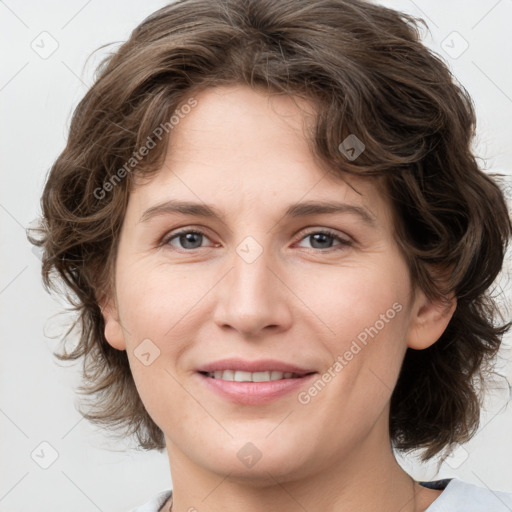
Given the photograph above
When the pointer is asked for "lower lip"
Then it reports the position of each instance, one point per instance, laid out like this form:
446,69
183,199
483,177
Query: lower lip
254,393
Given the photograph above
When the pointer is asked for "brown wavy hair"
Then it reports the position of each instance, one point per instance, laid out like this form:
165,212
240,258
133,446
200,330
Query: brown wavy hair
367,72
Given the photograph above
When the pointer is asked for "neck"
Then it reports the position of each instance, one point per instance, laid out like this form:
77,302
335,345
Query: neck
367,478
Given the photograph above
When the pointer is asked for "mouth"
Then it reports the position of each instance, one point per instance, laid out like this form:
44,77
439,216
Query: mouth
243,376
253,382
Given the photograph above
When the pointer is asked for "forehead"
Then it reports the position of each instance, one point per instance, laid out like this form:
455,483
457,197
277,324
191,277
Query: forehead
244,127
238,145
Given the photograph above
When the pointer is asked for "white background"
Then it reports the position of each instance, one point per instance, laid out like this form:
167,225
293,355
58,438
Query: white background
37,398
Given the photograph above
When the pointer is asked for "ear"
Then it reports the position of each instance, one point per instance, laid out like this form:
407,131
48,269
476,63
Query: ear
114,333
429,320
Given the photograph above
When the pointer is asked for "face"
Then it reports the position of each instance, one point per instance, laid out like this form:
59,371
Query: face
223,273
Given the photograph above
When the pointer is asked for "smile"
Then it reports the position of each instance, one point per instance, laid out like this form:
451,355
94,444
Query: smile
254,388
244,376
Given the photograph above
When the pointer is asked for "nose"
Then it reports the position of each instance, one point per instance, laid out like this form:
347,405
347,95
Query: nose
252,298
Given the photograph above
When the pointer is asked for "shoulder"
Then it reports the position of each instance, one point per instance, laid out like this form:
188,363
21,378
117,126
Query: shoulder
155,503
460,496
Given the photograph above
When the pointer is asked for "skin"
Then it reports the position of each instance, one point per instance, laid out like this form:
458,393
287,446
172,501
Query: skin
300,301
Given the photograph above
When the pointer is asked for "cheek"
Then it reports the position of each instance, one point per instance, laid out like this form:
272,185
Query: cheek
162,311
366,311
158,315
355,301
155,301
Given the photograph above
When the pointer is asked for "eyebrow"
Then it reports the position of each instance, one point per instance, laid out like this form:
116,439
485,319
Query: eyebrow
303,209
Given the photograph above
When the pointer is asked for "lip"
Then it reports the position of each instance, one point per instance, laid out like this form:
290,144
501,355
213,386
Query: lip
254,393
261,365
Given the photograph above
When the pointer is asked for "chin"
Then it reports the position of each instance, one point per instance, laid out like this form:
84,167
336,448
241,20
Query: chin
260,463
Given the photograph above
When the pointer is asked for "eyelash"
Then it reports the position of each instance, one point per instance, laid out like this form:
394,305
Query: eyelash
343,243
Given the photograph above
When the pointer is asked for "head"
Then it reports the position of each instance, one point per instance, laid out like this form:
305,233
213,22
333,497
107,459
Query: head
247,108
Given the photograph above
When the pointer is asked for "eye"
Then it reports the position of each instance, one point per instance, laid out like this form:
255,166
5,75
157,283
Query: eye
323,239
188,239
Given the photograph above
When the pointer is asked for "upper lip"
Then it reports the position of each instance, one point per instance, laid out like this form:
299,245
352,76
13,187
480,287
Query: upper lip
261,365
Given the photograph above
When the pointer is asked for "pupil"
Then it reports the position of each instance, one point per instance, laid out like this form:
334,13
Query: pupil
189,238
323,238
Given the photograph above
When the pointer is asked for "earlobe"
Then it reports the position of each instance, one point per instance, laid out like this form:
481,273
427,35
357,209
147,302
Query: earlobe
113,330
430,320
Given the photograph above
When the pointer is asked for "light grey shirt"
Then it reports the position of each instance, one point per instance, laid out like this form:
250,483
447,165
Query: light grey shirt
457,496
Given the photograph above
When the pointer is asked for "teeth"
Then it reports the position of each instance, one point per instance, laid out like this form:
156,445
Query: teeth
242,376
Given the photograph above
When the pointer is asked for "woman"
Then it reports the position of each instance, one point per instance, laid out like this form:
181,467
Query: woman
280,246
